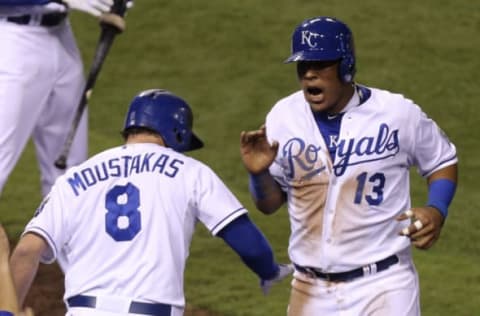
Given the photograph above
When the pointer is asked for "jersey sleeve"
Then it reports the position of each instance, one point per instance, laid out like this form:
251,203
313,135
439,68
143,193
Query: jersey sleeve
432,148
49,223
215,203
274,133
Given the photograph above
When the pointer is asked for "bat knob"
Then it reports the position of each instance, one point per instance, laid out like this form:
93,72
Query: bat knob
61,163
113,20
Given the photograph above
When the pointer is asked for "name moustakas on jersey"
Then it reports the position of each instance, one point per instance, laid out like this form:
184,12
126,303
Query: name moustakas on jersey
123,166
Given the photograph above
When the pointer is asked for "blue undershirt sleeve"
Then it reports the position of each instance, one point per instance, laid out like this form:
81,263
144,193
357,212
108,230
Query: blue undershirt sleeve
252,247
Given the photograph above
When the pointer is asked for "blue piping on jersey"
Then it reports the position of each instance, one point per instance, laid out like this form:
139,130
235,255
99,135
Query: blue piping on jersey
439,164
226,217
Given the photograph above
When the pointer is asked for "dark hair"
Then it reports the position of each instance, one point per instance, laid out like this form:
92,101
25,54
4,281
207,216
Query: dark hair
136,130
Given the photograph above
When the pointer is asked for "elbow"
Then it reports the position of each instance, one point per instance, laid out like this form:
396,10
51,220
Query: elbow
268,207
267,210
29,249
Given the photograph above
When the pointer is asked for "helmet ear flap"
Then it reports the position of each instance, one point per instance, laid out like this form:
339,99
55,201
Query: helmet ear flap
346,69
181,136
347,64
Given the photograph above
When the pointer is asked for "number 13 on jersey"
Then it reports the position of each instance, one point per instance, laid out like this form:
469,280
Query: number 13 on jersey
375,197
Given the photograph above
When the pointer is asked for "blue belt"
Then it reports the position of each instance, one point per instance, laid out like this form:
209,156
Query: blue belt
48,19
156,309
352,274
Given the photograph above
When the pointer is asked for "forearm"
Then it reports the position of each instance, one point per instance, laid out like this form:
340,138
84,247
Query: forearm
24,269
266,192
24,263
252,247
8,299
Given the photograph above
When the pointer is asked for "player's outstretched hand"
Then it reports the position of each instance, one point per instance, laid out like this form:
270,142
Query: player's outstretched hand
93,7
425,227
257,153
284,270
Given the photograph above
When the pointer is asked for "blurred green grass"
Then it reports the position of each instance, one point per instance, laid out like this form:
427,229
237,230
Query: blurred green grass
225,58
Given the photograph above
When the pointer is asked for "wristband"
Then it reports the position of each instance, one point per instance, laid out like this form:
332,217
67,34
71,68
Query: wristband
256,183
5,313
440,195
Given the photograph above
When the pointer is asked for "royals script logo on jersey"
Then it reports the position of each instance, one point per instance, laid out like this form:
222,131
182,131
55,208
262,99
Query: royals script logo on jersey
305,158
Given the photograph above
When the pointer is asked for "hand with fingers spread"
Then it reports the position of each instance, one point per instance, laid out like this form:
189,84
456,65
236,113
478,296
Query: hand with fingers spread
425,227
257,153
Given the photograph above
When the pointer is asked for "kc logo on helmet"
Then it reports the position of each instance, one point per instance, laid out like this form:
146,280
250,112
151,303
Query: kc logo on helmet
308,37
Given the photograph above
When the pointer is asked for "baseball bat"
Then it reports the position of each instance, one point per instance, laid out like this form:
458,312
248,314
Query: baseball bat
111,24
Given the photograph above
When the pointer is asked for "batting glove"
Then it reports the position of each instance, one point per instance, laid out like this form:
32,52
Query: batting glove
93,7
284,270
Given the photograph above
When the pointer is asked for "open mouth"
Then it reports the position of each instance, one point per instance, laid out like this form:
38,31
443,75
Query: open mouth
315,95
314,91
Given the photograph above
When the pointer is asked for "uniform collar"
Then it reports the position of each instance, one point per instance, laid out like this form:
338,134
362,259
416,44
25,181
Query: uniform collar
360,95
354,101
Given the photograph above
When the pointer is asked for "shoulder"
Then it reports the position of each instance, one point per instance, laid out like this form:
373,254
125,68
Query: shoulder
284,109
101,156
395,103
295,99
389,98
201,169
194,169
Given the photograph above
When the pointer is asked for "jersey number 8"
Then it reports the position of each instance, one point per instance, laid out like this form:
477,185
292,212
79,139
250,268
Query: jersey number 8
122,220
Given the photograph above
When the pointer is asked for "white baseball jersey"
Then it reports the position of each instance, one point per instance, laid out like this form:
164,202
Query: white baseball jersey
343,212
41,81
121,223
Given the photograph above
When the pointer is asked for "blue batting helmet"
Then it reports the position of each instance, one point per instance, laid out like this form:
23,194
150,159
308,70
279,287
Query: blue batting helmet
166,114
324,39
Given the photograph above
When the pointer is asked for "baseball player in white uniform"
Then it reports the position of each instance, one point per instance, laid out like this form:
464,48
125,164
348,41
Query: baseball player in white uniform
339,153
41,81
120,224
